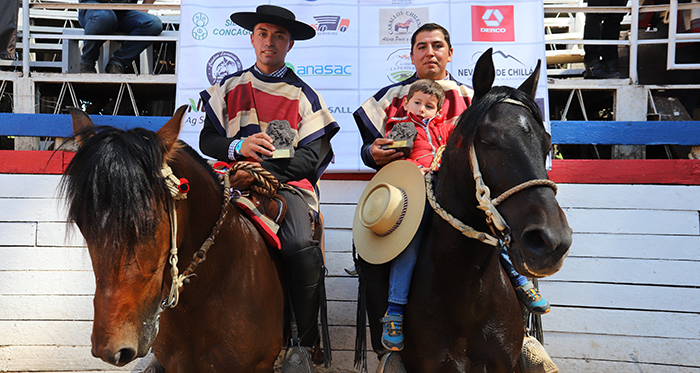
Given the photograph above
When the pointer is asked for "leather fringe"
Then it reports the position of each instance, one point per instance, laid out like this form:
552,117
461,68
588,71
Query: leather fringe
325,334
360,362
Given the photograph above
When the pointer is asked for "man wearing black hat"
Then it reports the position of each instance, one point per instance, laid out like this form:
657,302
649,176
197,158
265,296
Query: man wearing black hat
238,110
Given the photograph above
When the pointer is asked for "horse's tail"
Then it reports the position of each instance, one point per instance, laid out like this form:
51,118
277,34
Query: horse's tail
361,319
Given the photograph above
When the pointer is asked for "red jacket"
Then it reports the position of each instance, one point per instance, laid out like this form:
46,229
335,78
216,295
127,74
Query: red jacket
428,139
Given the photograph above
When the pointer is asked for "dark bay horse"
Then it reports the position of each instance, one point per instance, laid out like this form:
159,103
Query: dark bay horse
230,317
463,314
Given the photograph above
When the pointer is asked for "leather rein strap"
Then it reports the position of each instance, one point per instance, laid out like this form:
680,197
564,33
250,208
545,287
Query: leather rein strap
496,222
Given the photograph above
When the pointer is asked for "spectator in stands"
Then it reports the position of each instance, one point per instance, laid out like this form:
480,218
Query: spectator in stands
601,60
8,28
107,22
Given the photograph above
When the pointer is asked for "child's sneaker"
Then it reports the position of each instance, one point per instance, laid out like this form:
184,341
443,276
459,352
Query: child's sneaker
531,298
392,336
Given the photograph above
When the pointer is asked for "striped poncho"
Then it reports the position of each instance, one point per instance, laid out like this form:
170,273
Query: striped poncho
245,102
372,116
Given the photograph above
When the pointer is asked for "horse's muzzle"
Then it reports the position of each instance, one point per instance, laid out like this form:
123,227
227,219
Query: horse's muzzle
541,248
121,349
119,358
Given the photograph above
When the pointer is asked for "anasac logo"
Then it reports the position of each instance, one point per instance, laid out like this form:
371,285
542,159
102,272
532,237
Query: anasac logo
320,70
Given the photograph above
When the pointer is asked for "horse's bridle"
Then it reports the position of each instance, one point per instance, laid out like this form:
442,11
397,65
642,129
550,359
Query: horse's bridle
495,221
268,186
178,280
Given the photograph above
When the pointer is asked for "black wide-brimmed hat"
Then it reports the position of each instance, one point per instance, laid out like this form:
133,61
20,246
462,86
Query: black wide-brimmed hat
277,16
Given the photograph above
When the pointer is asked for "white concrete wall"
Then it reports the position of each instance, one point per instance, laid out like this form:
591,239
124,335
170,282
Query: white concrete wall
627,299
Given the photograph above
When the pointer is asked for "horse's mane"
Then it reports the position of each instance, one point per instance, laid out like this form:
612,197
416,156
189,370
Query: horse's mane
469,122
113,185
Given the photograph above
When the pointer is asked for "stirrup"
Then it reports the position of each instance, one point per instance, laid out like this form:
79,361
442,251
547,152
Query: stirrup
296,360
534,358
391,363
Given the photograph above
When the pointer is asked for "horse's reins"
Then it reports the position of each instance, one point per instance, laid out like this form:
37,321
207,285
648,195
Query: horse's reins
495,221
269,184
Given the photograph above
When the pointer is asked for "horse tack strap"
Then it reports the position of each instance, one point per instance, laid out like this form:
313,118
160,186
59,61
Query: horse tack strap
456,223
494,219
488,205
178,187
178,280
537,182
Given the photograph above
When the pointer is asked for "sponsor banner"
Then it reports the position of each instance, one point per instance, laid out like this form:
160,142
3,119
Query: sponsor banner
325,68
493,23
397,25
490,21
513,64
335,25
359,48
347,143
389,24
383,66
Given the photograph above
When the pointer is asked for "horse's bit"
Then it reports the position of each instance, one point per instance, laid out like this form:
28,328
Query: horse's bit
495,221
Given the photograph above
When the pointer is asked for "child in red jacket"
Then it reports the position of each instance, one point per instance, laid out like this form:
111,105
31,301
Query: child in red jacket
423,104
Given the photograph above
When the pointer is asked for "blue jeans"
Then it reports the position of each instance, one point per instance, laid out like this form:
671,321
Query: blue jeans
107,22
402,266
515,278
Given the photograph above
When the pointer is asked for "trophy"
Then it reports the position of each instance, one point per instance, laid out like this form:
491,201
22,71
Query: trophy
403,134
282,136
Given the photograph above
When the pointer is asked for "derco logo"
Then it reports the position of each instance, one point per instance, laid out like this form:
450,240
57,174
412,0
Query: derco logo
493,23
492,17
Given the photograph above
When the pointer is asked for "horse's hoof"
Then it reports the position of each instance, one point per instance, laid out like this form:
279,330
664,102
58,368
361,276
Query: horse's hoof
391,363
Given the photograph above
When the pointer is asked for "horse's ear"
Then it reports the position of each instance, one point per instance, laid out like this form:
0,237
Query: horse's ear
529,86
83,128
484,74
171,130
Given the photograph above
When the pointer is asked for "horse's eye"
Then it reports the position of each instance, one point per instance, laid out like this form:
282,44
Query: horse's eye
488,143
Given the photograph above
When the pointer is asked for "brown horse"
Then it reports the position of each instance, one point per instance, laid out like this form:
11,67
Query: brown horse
230,316
463,314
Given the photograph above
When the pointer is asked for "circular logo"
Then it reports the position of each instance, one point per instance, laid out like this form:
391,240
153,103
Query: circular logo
200,19
222,64
199,33
399,66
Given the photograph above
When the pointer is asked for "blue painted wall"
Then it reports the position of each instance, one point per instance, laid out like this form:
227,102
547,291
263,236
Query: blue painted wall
563,132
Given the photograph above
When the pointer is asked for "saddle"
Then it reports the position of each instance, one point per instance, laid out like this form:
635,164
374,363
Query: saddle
266,213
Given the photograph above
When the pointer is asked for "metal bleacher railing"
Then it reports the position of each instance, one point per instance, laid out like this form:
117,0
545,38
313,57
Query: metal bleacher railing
66,11
634,9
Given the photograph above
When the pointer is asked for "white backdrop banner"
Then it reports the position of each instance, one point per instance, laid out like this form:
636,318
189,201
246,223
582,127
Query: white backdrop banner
360,47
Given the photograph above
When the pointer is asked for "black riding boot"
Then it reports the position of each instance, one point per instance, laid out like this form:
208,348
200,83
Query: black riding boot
305,277
374,281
